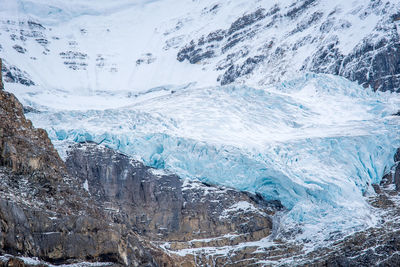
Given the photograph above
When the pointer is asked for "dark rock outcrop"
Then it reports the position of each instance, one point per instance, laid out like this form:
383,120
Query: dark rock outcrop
396,168
370,64
12,74
74,59
393,176
24,148
220,41
1,75
247,67
161,206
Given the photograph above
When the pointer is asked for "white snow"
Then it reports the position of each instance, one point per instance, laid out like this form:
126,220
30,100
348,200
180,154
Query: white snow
159,172
35,261
113,35
239,207
86,185
31,261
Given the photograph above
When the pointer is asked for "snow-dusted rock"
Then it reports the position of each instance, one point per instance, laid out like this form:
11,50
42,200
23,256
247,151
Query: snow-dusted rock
122,45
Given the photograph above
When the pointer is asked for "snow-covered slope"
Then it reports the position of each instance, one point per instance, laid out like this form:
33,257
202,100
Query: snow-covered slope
87,46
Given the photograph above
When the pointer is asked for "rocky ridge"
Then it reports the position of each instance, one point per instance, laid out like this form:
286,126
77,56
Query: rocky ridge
372,62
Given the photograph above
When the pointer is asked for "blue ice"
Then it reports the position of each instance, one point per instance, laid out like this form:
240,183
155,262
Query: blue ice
316,143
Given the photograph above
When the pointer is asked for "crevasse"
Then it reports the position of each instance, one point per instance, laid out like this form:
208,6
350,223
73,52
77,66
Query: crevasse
316,143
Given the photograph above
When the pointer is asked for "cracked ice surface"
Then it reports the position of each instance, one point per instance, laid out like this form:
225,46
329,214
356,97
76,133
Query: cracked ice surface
316,143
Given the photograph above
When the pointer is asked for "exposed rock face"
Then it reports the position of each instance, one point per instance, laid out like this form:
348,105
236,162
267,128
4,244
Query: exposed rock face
54,236
396,169
13,74
393,176
370,63
1,75
162,207
24,148
250,46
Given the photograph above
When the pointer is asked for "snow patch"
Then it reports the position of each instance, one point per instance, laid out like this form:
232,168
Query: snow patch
86,185
240,207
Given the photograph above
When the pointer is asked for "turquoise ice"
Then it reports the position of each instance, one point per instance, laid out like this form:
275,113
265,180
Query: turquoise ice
316,143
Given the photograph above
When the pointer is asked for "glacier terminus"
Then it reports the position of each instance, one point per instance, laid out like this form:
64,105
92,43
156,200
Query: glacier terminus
203,132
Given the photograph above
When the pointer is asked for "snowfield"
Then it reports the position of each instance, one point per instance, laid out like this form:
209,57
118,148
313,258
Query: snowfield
122,45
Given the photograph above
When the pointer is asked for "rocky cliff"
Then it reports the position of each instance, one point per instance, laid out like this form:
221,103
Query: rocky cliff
162,206
23,148
164,209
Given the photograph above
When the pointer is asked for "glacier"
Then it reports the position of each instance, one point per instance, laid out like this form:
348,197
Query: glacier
316,143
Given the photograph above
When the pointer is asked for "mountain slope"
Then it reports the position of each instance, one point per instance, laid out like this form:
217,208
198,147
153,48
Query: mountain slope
292,101
88,46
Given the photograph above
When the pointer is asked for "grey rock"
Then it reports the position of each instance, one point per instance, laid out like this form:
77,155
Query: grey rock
207,46
162,206
375,65
373,62
75,60
1,74
12,74
297,10
396,176
247,67
246,20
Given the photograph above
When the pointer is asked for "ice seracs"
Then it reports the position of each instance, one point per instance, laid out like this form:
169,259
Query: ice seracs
315,143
